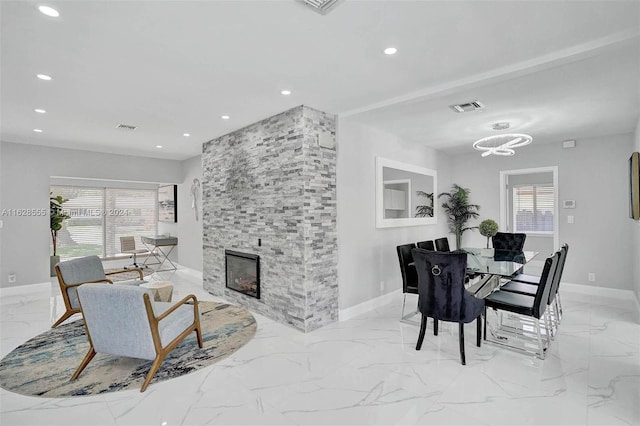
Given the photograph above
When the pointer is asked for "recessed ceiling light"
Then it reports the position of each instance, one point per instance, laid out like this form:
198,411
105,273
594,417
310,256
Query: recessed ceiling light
37,130
225,117
158,146
40,111
286,92
44,77
186,134
49,11
390,51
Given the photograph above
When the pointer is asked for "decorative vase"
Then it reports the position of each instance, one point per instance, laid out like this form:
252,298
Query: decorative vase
53,261
486,252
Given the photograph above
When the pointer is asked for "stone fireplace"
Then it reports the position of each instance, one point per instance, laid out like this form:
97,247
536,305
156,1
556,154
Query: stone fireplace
269,189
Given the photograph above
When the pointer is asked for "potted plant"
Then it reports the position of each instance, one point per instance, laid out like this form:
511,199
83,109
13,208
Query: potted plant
57,217
459,211
425,210
488,228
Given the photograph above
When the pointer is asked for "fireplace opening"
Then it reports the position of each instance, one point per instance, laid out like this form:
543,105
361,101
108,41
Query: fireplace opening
243,272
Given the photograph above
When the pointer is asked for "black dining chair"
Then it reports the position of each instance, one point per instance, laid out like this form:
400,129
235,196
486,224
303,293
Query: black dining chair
530,287
526,306
508,241
426,245
442,244
409,275
442,295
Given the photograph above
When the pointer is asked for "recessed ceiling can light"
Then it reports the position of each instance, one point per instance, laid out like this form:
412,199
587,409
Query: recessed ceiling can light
158,146
390,51
225,117
286,92
37,130
40,111
186,134
49,11
44,77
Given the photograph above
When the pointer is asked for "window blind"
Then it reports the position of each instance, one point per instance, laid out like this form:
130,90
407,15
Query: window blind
100,216
533,207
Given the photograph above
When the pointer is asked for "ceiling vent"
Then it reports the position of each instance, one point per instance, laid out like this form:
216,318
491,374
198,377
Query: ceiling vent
321,6
126,127
469,106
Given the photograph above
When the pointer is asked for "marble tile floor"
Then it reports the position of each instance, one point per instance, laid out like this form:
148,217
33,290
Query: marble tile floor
365,371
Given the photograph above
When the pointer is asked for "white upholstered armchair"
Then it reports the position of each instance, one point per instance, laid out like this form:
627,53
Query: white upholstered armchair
126,321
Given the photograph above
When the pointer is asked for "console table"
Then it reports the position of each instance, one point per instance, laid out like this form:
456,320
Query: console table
160,248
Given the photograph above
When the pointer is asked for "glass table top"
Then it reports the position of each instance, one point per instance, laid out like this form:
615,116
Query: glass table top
503,263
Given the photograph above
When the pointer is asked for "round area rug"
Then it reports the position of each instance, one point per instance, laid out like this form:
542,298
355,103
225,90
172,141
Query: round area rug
43,365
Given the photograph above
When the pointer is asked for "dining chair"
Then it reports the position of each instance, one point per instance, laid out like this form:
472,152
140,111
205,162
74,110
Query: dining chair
508,241
75,272
125,321
530,287
442,244
409,275
442,294
426,245
525,306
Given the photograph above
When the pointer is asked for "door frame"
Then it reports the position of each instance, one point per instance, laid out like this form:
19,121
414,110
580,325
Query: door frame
504,215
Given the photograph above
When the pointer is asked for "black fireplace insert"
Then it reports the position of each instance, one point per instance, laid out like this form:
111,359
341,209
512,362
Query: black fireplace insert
243,272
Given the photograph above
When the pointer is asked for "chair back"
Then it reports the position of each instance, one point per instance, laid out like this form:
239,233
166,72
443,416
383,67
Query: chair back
409,276
75,271
127,244
442,244
541,297
508,241
441,291
558,274
426,245
116,319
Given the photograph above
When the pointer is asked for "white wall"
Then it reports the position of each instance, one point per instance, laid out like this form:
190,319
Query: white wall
636,230
595,175
367,255
189,229
25,171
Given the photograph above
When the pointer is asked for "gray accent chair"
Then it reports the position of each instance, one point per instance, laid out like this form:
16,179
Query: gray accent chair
73,273
126,321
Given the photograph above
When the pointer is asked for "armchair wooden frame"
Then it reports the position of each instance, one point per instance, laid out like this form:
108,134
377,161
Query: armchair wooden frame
64,287
161,352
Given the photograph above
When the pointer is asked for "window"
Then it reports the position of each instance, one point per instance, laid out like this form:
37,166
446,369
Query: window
100,216
533,207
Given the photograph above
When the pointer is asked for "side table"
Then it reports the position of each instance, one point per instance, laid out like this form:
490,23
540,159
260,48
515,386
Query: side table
162,290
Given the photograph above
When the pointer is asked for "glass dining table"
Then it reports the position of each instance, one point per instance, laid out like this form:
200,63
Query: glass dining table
503,264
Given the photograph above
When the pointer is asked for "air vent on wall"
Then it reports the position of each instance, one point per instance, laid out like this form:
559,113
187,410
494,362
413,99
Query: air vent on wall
321,6
469,106
126,127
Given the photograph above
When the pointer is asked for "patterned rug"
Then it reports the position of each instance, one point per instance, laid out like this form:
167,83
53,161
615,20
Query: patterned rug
43,365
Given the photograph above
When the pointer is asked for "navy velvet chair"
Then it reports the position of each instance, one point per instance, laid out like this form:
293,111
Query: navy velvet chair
508,241
442,295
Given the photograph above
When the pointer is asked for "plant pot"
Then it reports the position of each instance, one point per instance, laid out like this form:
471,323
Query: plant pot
486,252
53,261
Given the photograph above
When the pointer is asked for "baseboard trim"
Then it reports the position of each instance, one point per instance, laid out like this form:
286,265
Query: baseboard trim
369,305
21,290
599,291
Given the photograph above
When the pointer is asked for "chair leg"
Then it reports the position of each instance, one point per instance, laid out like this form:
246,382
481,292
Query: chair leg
87,359
423,328
152,371
461,339
540,346
404,300
62,319
485,323
478,330
435,327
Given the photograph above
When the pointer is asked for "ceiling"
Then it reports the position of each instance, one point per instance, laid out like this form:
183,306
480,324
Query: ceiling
555,70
